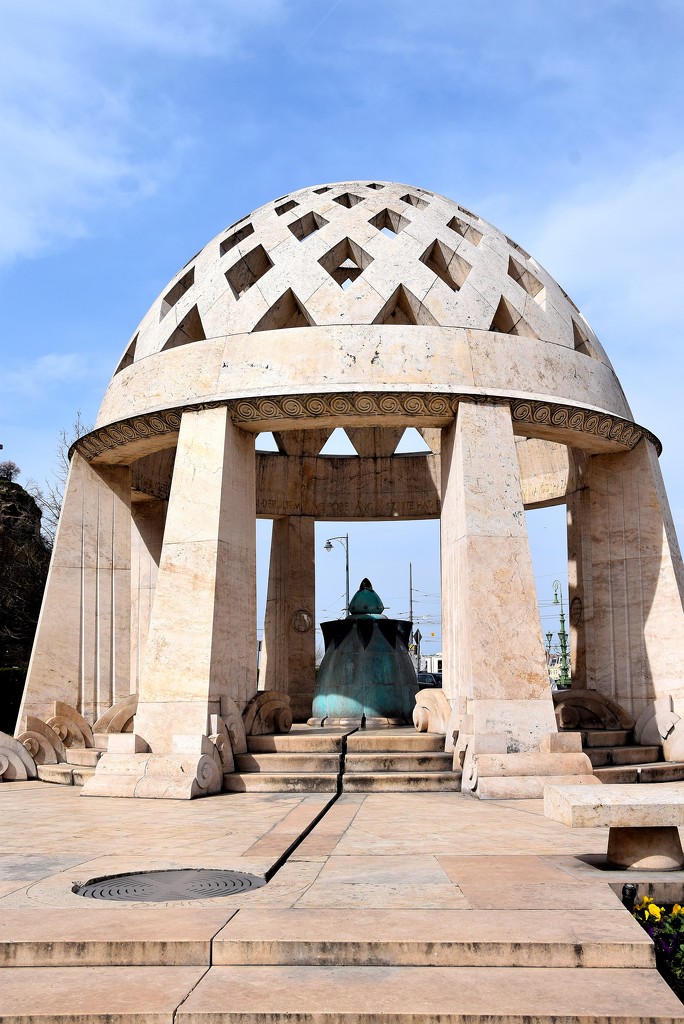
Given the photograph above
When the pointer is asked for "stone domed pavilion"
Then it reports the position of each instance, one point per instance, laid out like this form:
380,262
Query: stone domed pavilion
374,307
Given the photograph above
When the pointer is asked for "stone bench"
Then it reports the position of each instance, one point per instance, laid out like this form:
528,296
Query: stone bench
642,819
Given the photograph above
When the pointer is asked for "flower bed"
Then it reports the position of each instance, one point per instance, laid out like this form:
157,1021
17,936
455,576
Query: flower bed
666,928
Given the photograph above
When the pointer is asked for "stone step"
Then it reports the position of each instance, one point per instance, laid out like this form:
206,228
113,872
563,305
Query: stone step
605,756
302,739
438,938
402,740
400,762
429,995
108,934
290,763
64,774
94,995
661,771
280,782
606,737
402,782
84,757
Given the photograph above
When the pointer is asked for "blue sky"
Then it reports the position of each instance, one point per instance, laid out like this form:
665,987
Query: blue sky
134,132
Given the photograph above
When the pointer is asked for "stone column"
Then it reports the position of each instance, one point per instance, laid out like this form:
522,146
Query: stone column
81,649
494,659
147,533
288,659
638,582
580,616
201,642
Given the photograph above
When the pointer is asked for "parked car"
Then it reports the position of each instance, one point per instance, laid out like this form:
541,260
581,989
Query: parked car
427,679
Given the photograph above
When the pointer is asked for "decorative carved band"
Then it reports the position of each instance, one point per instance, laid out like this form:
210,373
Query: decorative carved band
250,412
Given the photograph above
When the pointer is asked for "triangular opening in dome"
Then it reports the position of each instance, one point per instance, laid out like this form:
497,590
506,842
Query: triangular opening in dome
375,185
345,262
189,329
177,292
404,308
446,264
507,320
232,240
389,222
286,312
128,356
248,270
266,442
582,343
338,444
286,207
348,199
526,279
465,230
307,225
412,200
411,442
374,442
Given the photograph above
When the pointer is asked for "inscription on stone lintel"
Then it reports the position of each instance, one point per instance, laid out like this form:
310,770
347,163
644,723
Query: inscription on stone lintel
347,509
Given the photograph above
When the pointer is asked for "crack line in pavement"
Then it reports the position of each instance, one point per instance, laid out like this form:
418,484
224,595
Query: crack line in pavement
284,857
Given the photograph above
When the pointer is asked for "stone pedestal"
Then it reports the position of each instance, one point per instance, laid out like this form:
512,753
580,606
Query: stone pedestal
81,653
288,657
645,849
494,661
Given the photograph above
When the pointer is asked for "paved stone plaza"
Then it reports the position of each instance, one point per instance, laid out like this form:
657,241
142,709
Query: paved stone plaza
395,907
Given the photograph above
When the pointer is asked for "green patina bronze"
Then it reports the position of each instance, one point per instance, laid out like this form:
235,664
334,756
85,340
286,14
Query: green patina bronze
366,676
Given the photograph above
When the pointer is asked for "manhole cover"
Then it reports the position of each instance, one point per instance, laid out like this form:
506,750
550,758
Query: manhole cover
163,886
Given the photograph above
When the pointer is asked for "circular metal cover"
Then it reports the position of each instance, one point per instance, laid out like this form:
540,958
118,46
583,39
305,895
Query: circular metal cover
165,886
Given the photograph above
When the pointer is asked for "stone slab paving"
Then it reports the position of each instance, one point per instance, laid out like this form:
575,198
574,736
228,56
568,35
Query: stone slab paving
508,902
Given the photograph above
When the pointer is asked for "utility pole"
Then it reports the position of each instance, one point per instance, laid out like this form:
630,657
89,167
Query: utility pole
411,593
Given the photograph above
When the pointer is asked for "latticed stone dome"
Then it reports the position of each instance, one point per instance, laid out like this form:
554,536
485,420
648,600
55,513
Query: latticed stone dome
413,257
361,286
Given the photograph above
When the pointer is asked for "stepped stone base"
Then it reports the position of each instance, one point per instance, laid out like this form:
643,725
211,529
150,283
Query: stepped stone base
402,782
394,741
399,762
440,938
279,782
64,774
661,771
309,760
606,756
428,995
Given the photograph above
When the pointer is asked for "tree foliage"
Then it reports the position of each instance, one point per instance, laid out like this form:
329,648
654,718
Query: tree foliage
24,560
50,495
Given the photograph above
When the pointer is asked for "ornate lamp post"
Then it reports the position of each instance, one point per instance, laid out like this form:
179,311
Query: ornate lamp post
344,541
564,677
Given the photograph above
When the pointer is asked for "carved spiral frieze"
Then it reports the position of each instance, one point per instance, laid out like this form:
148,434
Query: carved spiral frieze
252,411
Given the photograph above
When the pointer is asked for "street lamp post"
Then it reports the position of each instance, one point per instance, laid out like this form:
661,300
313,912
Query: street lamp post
549,638
564,677
344,541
